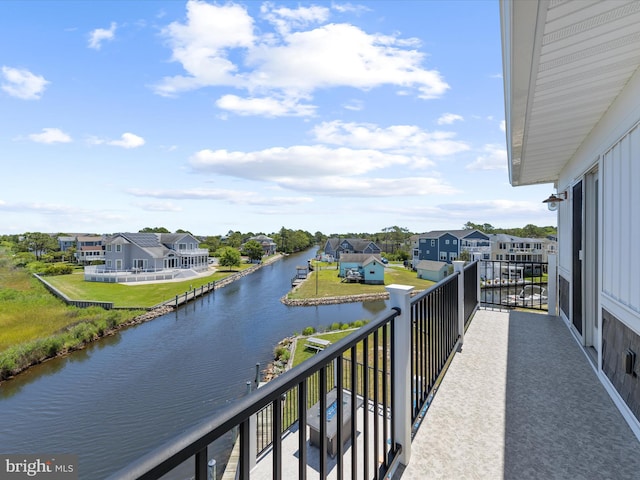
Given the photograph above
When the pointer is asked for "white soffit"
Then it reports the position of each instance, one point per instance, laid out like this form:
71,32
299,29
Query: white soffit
566,61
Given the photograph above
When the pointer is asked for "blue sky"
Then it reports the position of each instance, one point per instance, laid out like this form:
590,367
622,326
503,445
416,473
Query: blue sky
250,116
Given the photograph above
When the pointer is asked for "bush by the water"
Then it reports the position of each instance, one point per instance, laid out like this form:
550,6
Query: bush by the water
17,358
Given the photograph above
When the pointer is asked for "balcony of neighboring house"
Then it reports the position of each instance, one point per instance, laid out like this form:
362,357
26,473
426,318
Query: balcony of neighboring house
435,387
90,254
194,252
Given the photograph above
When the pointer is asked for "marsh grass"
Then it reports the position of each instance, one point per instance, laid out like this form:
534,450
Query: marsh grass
35,325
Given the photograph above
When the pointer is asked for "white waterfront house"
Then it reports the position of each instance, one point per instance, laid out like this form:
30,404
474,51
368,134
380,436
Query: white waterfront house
131,257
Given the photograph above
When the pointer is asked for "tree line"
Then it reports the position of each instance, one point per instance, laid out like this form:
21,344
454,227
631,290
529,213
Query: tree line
394,241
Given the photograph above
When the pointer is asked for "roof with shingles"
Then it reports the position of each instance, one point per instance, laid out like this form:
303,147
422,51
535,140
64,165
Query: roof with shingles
356,243
432,265
363,258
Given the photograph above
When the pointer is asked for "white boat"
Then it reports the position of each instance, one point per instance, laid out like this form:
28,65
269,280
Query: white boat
529,296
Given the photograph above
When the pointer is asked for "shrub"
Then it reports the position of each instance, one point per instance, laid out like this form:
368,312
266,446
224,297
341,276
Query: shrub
335,326
344,326
358,324
308,331
282,353
57,269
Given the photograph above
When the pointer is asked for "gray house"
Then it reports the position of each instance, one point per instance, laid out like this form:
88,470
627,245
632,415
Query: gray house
268,245
335,246
138,252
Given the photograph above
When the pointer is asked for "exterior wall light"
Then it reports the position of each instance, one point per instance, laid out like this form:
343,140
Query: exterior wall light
553,202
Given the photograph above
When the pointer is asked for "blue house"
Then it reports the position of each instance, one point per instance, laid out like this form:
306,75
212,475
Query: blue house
447,245
369,267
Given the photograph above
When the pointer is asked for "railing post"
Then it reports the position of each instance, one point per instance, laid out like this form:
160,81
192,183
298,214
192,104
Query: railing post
458,266
399,297
552,284
479,290
253,435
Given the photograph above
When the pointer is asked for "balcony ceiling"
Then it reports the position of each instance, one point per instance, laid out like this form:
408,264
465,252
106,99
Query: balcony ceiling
565,62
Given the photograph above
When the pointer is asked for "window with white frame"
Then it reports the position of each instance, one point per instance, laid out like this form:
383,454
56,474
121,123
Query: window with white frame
118,248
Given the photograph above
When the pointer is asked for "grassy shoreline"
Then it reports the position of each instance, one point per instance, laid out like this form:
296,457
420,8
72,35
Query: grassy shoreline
37,326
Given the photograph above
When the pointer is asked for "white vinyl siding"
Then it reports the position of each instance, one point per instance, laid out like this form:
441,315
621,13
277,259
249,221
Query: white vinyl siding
620,226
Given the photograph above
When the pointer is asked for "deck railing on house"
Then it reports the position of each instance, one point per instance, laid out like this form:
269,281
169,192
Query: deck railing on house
434,334
403,350
471,291
514,284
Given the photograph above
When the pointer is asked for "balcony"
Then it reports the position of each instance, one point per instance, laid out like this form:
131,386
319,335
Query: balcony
193,252
451,392
521,400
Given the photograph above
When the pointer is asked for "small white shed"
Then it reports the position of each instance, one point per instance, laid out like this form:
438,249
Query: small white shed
432,270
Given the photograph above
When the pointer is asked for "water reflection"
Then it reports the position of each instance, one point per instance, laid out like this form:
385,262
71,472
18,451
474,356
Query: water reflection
130,392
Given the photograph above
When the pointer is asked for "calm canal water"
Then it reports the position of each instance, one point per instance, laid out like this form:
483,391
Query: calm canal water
129,393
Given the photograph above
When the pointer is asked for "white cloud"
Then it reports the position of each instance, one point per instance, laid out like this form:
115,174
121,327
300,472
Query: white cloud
494,157
449,118
399,138
238,197
369,187
297,162
498,212
128,140
337,55
491,209
503,126
354,105
21,83
50,135
40,207
349,7
267,107
218,46
159,207
201,46
99,35
287,19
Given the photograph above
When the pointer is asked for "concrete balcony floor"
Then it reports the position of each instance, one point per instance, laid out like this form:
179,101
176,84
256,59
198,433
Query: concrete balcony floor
522,401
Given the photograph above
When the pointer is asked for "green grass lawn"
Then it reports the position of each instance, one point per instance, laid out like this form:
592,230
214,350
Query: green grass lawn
324,279
128,295
302,353
29,312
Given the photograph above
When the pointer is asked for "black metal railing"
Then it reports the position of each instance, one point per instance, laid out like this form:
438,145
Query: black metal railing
514,284
351,381
434,335
289,399
375,384
470,291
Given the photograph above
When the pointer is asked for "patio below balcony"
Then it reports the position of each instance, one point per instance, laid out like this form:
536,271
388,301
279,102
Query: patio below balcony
521,400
